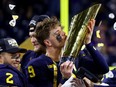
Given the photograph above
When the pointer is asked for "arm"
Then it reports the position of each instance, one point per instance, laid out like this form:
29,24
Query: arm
98,58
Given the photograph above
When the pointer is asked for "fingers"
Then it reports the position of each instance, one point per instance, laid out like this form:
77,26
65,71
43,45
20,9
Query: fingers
90,28
67,65
91,25
87,82
66,69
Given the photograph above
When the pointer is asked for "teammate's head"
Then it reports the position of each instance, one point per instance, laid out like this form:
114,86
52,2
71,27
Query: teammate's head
50,34
10,52
32,25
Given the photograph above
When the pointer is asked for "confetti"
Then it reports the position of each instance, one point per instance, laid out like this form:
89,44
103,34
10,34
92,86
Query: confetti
111,16
114,26
11,6
12,23
15,17
100,44
98,34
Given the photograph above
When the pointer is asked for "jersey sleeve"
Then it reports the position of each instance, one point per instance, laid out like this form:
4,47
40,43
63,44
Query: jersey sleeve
25,59
91,59
98,58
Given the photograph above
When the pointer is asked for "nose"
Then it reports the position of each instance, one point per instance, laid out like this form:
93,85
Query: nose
63,33
18,60
33,39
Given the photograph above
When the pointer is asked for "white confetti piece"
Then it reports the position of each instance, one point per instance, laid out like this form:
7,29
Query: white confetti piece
12,23
15,17
11,6
114,26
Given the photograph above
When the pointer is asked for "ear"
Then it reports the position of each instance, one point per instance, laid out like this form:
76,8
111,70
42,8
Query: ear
47,42
1,59
0,56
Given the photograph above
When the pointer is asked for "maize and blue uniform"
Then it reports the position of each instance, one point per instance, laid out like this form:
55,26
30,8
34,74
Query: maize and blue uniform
29,55
32,54
9,76
91,59
43,72
109,79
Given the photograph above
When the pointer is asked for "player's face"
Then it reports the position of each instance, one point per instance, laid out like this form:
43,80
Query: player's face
57,37
16,60
12,59
34,41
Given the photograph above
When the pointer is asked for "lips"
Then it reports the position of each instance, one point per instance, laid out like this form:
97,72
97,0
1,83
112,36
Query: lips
16,65
35,44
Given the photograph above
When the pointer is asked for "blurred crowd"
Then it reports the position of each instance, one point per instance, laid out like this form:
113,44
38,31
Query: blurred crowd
26,9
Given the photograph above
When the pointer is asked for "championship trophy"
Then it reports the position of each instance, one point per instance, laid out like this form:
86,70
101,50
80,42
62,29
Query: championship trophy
75,40
78,31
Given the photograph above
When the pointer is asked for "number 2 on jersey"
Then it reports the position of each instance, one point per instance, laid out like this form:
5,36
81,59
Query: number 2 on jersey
9,78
